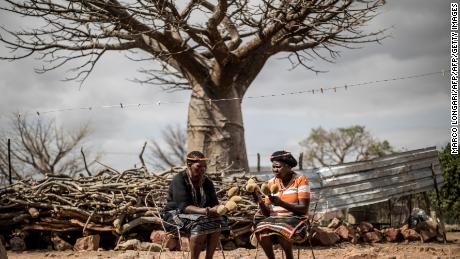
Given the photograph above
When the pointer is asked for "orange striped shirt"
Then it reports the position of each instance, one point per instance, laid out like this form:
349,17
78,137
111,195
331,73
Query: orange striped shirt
298,188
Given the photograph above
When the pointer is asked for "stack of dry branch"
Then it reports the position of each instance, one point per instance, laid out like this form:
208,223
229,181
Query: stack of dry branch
109,201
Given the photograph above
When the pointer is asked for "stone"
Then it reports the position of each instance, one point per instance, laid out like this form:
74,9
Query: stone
365,227
164,239
409,234
60,244
343,232
392,234
158,236
229,245
426,235
17,244
88,243
373,236
427,230
324,236
242,240
335,223
131,244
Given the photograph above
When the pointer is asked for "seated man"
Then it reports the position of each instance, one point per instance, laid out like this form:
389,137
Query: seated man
192,207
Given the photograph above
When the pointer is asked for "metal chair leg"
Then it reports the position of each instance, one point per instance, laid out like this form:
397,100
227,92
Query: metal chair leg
221,248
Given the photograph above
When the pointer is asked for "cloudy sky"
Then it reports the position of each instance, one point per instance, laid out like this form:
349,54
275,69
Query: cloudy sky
410,114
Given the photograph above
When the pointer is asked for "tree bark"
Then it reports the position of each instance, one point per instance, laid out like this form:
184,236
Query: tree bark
216,128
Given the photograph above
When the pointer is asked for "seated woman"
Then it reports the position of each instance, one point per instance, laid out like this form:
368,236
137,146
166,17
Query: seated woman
285,210
192,207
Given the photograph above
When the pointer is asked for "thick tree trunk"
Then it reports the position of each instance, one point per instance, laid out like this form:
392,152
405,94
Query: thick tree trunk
216,129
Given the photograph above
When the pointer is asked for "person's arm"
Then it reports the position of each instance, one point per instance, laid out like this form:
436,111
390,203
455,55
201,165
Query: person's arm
191,209
211,210
260,201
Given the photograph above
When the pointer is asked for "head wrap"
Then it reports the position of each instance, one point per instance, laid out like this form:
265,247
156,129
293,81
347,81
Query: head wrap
285,157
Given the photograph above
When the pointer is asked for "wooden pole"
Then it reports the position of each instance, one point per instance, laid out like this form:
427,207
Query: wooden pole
9,161
258,162
438,200
301,161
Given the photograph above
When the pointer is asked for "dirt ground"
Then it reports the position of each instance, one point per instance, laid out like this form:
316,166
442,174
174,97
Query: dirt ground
343,250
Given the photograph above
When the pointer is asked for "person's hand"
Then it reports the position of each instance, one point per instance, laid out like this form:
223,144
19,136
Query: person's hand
213,211
275,200
257,197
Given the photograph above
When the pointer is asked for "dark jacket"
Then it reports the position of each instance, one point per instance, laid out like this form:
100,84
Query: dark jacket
180,194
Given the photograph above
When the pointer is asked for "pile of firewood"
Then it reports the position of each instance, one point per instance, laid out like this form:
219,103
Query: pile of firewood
108,202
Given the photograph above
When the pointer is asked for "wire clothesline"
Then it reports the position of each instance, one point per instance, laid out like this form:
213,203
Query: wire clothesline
321,90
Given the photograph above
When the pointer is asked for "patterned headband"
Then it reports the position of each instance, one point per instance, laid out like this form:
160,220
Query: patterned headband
197,158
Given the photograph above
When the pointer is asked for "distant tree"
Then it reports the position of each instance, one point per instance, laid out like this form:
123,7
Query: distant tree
173,152
341,145
214,48
39,147
450,191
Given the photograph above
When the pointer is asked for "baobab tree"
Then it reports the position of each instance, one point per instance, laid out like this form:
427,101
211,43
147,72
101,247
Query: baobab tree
214,48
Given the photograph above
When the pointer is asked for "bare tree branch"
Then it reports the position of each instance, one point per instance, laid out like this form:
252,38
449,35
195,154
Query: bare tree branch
171,154
40,148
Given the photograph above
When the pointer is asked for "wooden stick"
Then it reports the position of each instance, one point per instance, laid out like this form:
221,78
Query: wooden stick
438,199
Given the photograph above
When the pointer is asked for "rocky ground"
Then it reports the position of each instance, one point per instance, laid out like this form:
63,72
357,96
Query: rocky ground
342,250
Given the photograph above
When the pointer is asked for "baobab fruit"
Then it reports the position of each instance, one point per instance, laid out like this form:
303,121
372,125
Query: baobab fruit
274,189
230,205
251,187
233,191
222,210
265,189
236,199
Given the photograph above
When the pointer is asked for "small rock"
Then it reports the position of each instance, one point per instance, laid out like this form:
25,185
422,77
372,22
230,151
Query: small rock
160,237
335,222
324,236
392,234
89,243
373,236
60,244
365,227
131,244
229,245
409,234
17,244
343,232
242,240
